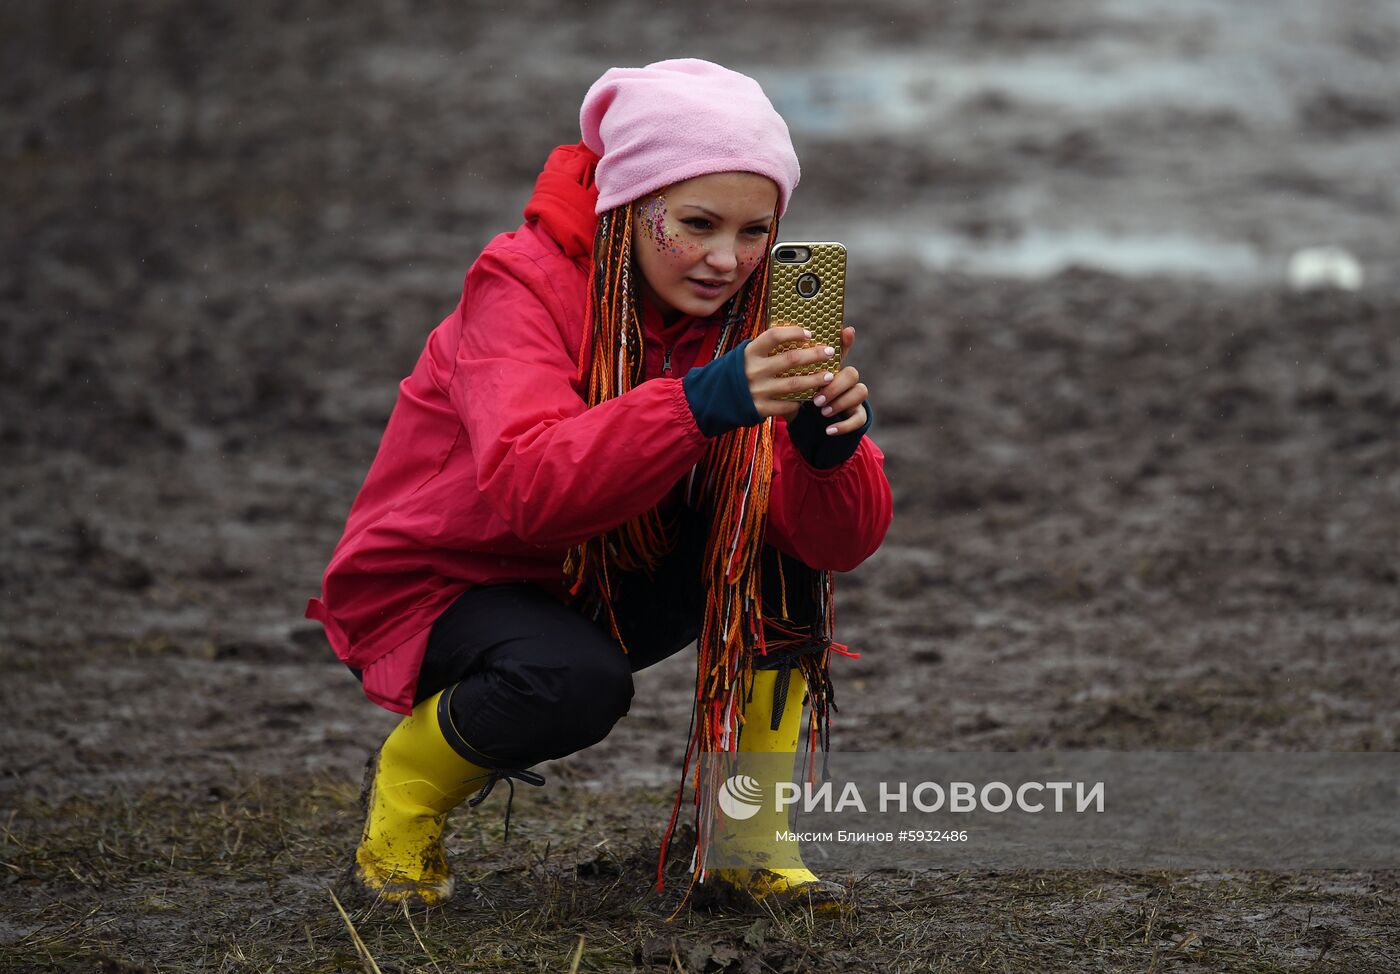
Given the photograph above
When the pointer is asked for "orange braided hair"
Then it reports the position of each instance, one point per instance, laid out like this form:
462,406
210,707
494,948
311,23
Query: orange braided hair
731,484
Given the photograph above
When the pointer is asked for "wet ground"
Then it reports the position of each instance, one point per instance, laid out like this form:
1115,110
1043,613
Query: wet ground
1146,495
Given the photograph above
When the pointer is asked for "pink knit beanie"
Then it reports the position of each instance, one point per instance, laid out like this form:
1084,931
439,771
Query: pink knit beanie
675,120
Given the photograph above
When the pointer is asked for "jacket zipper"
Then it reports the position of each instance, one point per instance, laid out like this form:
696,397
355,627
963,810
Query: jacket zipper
666,364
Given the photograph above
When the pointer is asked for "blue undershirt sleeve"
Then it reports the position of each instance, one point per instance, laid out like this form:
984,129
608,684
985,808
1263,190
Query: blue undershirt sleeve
718,394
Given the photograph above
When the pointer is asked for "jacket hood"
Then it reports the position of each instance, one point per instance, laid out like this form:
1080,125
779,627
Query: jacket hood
564,198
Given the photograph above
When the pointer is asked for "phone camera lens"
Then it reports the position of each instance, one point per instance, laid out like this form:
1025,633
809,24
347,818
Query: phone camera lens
787,253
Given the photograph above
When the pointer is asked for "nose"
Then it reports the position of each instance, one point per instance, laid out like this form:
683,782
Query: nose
722,257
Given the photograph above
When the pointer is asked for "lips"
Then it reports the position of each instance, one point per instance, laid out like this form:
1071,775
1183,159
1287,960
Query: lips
708,287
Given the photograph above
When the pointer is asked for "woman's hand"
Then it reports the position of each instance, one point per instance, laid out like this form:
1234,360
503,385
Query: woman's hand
843,394
764,369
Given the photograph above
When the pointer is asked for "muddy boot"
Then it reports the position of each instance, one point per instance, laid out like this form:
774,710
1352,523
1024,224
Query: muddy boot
786,883
411,784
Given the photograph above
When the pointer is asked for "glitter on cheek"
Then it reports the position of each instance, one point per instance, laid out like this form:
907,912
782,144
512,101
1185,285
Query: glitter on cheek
668,241
653,215
750,254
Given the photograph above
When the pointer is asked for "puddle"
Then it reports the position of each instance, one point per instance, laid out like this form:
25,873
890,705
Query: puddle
900,96
1189,54
1042,253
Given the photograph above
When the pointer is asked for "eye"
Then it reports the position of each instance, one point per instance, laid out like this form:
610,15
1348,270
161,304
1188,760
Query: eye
698,222
757,230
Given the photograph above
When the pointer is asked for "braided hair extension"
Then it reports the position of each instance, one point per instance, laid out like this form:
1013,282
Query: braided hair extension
730,486
613,328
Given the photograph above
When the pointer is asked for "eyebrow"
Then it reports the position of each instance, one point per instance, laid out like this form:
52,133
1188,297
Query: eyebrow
715,216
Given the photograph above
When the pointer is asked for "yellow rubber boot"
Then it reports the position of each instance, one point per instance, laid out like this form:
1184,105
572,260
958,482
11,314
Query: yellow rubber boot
410,786
787,883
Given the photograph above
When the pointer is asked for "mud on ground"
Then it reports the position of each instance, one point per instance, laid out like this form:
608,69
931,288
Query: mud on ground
1151,505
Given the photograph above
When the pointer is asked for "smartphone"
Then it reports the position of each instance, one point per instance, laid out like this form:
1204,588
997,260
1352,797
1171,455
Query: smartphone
808,288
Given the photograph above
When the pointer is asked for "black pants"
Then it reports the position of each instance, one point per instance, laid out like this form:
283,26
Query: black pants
531,679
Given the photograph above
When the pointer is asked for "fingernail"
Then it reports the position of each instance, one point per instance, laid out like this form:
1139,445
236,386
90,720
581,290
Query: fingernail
826,411
829,351
807,332
819,401
827,376
831,431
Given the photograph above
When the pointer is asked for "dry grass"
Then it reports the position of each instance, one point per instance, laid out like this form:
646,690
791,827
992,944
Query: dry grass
240,882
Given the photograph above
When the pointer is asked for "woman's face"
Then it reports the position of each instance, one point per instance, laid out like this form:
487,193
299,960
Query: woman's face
697,241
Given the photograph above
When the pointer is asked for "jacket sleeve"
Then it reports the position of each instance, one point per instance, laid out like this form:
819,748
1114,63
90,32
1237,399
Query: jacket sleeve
829,519
556,471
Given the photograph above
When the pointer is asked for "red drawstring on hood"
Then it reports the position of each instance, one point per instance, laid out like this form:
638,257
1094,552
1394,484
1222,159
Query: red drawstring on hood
564,198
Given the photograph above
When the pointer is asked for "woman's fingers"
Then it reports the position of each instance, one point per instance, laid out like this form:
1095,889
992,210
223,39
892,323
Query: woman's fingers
850,424
847,401
778,335
767,365
836,393
778,386
845,394
764,367
763,361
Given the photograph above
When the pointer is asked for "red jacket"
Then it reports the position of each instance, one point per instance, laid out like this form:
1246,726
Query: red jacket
492,465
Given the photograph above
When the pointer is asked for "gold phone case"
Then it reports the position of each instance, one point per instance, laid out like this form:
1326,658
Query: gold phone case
793,300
